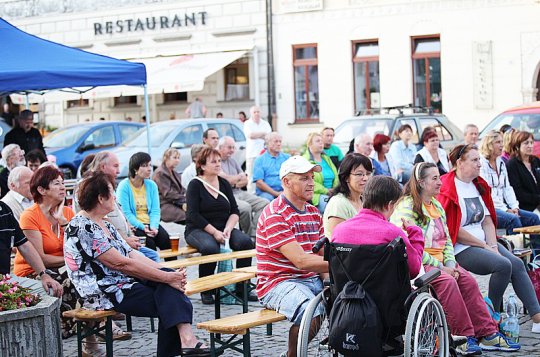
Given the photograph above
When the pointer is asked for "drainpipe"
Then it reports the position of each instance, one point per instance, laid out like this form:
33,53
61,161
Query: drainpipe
270,65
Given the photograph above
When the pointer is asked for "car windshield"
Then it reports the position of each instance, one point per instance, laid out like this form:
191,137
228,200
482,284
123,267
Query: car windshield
158,134
351,128
62,138
520,121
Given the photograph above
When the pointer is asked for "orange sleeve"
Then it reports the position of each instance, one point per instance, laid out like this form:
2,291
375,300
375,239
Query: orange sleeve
30,220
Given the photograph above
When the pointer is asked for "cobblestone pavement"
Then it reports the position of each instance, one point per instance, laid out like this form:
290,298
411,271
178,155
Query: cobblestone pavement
144,342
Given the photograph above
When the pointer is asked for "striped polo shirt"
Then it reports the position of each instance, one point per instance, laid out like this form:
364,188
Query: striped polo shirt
11,236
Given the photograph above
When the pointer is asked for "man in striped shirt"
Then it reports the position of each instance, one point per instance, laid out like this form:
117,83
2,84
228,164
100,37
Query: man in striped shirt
287,270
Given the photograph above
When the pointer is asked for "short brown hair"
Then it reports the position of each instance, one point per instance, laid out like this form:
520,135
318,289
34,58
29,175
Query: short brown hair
43,178
380,191
429,135
203,157
517,139
92,187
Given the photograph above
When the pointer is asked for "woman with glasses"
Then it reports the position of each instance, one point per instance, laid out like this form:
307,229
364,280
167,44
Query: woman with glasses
431,152
139,198
346,202
471,220
493,170
456,289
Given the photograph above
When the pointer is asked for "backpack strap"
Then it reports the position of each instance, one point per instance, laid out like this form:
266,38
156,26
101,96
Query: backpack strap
212,188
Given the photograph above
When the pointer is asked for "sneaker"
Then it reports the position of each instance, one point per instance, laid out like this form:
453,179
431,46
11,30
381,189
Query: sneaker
498,342
469,348
535,327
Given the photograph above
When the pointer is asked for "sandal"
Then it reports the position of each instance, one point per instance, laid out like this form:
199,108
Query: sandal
117,332
197,351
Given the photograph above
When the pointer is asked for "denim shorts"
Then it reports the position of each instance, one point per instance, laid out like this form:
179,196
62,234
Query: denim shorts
291,297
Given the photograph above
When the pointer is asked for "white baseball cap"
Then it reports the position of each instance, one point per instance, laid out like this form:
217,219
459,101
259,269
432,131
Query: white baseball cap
297,165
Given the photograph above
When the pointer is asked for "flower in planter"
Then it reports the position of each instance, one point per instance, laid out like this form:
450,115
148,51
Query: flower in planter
13,296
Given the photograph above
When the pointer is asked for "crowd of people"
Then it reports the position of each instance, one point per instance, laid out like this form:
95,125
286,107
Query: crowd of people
102,252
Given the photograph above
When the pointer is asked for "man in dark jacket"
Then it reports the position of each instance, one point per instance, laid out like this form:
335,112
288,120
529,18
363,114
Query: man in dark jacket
24,134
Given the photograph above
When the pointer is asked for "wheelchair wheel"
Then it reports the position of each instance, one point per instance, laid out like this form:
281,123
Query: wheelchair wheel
318,346
426,333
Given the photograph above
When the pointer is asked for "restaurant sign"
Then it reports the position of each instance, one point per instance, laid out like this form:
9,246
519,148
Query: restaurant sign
150,23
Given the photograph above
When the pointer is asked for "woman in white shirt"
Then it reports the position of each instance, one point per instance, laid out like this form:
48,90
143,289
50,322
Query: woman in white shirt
431,152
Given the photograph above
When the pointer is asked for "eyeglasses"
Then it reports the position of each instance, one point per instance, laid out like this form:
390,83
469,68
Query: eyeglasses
361,174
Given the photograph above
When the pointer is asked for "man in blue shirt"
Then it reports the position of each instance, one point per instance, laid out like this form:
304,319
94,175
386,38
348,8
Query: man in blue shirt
266,168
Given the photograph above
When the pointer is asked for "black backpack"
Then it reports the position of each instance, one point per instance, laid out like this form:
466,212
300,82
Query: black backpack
355,324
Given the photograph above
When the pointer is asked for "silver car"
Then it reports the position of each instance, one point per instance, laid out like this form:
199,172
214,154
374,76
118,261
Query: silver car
180,134
388,124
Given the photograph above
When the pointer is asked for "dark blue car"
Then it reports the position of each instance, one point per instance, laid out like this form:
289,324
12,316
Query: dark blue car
73,143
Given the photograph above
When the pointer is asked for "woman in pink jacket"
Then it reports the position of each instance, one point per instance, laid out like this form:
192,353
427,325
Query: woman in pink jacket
371,226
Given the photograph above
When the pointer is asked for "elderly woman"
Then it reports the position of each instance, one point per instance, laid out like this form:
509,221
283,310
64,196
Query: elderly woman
139,198
493,170
108,274
172,196
381,146
325,180
346,202
403,152
471,219
524,170
43,224
431,152
456,289
13,156
212,215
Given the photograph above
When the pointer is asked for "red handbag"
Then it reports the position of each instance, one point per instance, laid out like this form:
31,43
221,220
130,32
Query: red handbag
534,274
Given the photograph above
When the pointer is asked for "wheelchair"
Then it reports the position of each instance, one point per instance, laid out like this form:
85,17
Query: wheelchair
413,320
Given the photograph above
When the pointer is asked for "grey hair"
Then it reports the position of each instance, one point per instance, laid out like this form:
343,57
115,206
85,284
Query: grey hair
223,139
270,136
7,150
99,159
195,150
469,126
15,175
359,138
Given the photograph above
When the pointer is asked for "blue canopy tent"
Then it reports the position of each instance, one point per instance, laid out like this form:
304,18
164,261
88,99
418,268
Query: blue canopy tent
29,64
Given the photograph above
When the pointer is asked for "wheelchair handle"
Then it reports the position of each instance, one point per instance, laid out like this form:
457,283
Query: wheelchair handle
319,245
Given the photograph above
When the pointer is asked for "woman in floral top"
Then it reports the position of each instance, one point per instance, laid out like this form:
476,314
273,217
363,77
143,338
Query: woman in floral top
108,274
455,285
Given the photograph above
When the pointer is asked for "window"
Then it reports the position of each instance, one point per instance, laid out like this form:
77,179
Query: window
238,134
442,132
126,131
412,124
175,97
78,103
306,83
100,138
366,75
223,129
188,136
237,80
426,57
125,100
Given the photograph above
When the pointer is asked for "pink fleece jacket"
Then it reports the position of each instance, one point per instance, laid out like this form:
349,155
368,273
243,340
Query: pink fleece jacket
370,227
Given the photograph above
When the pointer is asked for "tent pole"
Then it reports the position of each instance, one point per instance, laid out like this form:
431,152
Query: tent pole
27,101
147,112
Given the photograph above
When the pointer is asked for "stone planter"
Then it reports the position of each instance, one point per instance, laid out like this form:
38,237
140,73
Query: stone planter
32,331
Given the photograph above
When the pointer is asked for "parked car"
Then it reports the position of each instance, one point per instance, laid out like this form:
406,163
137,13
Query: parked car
525,117
180,134
4,128
449,134
73,143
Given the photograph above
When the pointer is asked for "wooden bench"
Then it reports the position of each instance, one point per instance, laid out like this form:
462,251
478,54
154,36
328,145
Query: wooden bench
88,324
182,251
251,269
212,258
237,325
528,230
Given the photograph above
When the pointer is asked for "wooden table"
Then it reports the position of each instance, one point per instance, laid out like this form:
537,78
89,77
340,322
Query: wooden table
168,253
213,258
528,230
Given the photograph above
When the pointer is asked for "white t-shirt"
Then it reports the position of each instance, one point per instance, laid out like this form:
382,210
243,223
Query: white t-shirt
255,146
188,174
473,212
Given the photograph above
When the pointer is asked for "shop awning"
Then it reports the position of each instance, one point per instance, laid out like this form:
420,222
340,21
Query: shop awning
170,74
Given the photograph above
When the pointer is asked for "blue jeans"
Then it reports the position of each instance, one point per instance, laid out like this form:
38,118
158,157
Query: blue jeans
266,195
509,221
323,201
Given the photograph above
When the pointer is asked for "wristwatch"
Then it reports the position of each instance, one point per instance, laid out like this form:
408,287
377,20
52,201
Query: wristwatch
45,271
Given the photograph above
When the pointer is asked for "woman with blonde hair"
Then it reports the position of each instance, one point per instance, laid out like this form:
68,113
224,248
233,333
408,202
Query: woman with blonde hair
172,195
493,170
325,180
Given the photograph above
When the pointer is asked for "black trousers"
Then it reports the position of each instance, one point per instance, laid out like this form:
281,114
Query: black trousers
172,307
206,244
161,240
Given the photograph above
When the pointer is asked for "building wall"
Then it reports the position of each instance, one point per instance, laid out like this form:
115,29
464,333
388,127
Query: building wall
230,25
510,27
